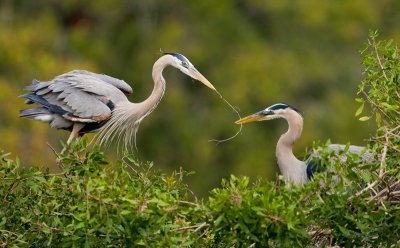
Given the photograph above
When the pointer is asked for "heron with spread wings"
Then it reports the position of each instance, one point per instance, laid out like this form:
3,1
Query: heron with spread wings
82,101
299,172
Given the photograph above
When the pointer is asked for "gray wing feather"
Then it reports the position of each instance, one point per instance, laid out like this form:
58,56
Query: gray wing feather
79,101
91,85
43,91
59,122
83,94
120,84
58,86
36,85
62,95
53,99
366,155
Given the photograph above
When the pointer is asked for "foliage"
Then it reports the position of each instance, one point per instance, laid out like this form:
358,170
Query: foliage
262,214
381,88
95,203
370,206
381,84
256,53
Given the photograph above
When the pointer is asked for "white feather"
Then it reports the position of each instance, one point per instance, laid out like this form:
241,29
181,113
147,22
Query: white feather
44,118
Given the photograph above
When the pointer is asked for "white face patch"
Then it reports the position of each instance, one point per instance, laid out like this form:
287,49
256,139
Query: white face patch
183,66
184,70
280,112
272,114
272,117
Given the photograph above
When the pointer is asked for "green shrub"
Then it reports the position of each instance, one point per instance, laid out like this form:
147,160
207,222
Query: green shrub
93,203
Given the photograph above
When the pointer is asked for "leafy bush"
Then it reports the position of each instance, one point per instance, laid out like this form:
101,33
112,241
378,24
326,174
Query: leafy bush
95,203
262,214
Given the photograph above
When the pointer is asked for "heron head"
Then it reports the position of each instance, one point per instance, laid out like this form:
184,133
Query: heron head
184,65
278,110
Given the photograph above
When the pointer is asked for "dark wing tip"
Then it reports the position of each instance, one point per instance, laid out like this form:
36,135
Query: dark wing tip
312,168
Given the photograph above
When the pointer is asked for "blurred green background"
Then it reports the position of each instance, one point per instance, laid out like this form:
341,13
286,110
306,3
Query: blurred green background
255,52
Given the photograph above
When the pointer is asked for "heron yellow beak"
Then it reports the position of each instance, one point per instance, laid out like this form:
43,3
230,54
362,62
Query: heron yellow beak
198,76
259,116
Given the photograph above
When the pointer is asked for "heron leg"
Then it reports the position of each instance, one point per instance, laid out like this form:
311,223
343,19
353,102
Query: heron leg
74,135
75,132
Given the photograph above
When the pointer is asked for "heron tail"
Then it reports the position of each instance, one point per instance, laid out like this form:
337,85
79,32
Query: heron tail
33,112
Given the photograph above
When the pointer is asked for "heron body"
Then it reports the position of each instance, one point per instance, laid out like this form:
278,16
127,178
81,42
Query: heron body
82,101
293,169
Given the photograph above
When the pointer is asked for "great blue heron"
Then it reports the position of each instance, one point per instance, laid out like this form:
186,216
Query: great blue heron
82,101
292,168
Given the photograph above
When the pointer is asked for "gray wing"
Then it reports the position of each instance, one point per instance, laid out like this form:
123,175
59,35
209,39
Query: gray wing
120,84
79,95
315,158
362,151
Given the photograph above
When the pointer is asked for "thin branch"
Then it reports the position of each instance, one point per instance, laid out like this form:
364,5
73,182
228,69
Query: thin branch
391,131
195,227
27,178
100,200
385,190
201,226
54,151
187,202
382,143
383,159
395,193
376,106
379,59
369,187
12,233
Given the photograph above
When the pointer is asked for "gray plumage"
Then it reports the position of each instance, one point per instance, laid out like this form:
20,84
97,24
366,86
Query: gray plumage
76,96
83,101
362,151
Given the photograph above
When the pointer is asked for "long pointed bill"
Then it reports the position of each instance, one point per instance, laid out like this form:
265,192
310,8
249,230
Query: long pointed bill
259,116
197,75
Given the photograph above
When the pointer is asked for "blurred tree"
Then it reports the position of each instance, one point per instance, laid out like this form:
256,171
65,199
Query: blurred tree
255,52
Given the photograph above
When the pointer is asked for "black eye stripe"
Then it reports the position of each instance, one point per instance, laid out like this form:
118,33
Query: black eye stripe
182,58
283,106
278,106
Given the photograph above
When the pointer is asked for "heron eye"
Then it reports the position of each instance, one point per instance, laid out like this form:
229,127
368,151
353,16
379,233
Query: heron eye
185,64
268,112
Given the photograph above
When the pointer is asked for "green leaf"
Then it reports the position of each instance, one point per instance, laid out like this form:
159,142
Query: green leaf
125,212
378,119
80,225
360,100
344,230
364,118
359,110
3,221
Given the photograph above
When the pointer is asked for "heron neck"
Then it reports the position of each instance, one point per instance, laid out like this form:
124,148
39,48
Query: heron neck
148,105
291,168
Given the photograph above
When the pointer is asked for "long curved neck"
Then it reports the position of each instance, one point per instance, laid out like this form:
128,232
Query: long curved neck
291,168
127,116
148,105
